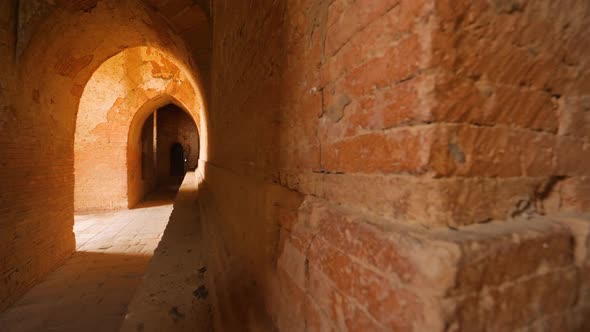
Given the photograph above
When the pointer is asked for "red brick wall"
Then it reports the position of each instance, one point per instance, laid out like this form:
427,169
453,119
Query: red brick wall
510,86
372,165
22,182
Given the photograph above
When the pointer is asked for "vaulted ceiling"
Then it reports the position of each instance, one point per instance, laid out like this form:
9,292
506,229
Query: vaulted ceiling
190,19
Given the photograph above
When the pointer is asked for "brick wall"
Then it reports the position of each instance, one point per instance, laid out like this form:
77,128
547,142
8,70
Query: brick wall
388,165
510,78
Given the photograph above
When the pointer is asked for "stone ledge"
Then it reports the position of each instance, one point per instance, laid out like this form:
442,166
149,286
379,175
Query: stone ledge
442,272
172,295
498,252
485,254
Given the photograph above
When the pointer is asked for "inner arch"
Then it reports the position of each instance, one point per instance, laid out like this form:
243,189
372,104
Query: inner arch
137,81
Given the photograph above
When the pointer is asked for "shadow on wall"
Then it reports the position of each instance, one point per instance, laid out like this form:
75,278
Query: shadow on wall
260,133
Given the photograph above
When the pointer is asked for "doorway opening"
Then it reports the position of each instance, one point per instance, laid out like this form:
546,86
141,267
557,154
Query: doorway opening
177,160
169,149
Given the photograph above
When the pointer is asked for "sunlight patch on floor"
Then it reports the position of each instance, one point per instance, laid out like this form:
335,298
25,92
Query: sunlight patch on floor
134,232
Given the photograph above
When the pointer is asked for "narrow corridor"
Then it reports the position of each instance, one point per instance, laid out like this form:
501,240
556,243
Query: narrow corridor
92,290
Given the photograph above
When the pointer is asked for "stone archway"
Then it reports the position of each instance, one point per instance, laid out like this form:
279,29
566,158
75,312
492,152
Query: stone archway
138,187
107,176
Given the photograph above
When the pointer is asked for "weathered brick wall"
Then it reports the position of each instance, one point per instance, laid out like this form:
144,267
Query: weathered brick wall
377,161
175,126
510,84
12,196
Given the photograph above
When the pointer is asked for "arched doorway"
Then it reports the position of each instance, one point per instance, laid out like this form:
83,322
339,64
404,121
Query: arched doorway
164,139
126,98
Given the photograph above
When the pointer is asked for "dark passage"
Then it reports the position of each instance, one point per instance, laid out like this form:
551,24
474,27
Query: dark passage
176,160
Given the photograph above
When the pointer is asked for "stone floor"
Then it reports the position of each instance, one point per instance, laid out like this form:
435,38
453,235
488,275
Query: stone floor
92,290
